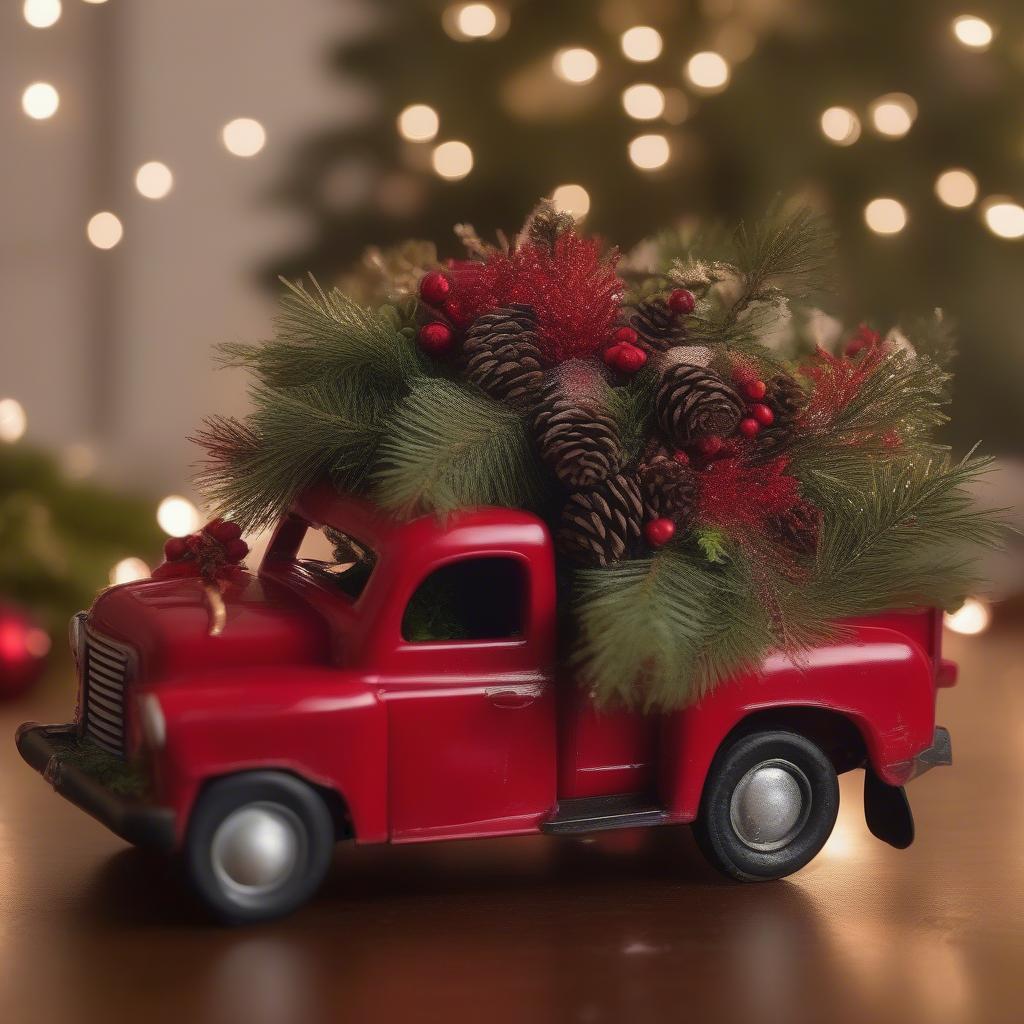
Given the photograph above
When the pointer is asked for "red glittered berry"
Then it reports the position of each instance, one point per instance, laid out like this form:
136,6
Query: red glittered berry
625,358
764,416
454,311
175,549
434,288
236,550
749,427
625,336
755,390
709,446
659,532
681,301
224,532
681,457
435,338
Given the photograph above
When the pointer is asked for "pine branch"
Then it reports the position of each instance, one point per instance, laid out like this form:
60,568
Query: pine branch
933,337
448,447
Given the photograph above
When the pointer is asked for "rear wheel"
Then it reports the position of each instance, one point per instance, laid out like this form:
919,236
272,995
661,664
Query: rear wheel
770,803
258,845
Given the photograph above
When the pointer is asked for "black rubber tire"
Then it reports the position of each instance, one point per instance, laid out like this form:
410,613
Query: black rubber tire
714,831
303,808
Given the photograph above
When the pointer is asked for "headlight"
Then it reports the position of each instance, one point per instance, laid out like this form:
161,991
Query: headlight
76,635
151,717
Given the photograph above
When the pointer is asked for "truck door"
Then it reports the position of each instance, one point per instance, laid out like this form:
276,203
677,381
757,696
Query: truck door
472,713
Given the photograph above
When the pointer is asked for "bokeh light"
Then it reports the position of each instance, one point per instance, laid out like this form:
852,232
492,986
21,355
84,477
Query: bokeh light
40,101
476,20
154,180
708,71
641,43
177,516
1004,217
13,420
418,123
574,199
643,101
42,13
452,160
885,216
893,115
956,187
128,570
973,32
244,136
971,618
575,65
104,230
840,125
649,152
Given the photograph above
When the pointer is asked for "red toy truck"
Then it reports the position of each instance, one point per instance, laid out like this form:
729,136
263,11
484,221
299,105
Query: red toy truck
316,714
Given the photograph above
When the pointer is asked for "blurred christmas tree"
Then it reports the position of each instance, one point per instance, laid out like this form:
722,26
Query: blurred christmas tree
641,112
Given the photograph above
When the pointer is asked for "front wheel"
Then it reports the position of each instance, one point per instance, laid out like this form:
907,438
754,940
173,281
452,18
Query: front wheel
770,803
258,845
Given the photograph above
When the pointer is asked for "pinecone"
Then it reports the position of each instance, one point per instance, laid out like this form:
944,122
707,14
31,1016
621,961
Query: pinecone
787,401
602,524
657,327
797,529
669,490
576,436
502,356
694,402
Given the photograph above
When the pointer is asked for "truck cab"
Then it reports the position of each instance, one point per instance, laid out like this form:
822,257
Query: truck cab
399,681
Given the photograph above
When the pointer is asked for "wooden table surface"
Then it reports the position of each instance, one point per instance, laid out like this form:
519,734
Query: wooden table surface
627,927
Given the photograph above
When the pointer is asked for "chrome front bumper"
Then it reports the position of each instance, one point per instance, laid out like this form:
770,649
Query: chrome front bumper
938,754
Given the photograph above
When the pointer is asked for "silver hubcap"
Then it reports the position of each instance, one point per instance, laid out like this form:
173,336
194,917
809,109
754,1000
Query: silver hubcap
256,849
770,805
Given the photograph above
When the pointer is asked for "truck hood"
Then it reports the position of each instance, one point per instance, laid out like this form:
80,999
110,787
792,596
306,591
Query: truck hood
169,623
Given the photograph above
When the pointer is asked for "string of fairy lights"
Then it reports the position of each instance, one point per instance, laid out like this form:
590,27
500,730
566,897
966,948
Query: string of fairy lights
703,73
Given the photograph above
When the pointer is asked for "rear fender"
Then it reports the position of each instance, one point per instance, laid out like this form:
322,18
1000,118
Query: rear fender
323,726
876,679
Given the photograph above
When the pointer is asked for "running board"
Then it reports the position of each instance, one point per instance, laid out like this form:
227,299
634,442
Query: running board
599,813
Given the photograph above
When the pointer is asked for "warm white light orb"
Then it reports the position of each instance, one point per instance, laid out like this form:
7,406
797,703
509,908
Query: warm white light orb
643,101
973,32
885,216
575,65
956,187
177,516
452,160
840,125
244,136
128,570
1004,218
649,152
971,618
13,420
418,123
41,13
894,114
40,101
708,71
104,230
641,43
574,199
476,21
154,180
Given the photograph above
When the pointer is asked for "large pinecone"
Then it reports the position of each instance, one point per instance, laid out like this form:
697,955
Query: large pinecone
694,402
787,401
602,524
657,327
502,354
576,436
669,490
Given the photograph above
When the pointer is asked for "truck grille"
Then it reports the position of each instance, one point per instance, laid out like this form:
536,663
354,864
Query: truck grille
107,668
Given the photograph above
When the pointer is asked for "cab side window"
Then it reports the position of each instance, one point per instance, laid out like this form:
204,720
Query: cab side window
473,599
336,559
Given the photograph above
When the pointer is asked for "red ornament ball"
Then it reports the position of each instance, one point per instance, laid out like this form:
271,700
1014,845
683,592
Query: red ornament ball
681,301
755,390
175,549
659,532
435,287
625,358
710,446
624,336
24,645
435,338
763,414
749,427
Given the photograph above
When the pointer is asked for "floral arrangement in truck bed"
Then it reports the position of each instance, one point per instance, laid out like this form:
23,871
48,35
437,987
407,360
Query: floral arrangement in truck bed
714,494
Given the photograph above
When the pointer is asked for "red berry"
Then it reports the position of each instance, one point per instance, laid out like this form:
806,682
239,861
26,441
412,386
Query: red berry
742,375
194,542
453,311
756,390
434,288
709,446
682,458
236,550
175,549
625,336
625,358
764,416
435,338
681,301
749,427
224,532
659,532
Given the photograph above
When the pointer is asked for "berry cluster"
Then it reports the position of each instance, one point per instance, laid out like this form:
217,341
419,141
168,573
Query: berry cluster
217,546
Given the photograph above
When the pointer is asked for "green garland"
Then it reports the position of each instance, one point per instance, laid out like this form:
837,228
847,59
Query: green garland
342,392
